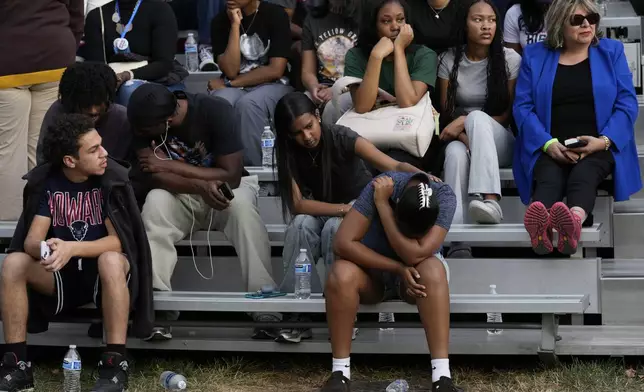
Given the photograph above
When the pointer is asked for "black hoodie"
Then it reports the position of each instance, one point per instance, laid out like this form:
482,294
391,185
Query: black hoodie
123,211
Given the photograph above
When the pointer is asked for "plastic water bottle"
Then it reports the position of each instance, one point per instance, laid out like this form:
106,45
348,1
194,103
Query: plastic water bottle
303,276
398,386
192,55
268,141
173,381
386,318
72,370
494,317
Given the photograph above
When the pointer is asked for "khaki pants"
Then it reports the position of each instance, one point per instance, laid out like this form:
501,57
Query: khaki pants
168,219
22,110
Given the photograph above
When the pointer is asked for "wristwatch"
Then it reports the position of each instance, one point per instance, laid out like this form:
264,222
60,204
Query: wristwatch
227,82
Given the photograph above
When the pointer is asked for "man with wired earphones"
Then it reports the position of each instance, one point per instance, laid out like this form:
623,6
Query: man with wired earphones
187,149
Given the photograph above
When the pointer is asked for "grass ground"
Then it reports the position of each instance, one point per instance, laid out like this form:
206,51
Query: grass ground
295,373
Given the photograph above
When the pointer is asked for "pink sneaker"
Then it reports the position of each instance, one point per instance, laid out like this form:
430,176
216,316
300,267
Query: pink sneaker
569,227
537,223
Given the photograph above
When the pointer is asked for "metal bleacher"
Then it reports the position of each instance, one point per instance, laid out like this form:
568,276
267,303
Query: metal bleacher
534,293
584,284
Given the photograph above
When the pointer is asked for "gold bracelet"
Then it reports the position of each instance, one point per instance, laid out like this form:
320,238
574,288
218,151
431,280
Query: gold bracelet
606,142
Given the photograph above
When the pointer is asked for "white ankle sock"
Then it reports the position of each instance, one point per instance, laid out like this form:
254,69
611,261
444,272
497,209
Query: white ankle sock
342,365
440,368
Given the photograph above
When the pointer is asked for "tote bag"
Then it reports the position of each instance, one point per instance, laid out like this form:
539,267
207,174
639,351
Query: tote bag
390,127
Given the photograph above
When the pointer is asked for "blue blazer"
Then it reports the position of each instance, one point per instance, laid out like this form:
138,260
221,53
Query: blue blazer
615,108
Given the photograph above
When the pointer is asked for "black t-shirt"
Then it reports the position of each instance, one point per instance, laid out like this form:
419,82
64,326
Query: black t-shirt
349,173
208,131
76,209
154,35
330,37
264,35
438,34
573,104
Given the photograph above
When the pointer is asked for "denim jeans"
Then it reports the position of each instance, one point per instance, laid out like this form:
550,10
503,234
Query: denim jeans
315,234
206,11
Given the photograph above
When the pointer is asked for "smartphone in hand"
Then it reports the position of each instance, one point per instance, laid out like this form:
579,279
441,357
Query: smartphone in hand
226,190
575,143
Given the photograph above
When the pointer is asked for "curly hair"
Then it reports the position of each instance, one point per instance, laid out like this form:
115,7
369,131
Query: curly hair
62,137
87,84
368,34
498,96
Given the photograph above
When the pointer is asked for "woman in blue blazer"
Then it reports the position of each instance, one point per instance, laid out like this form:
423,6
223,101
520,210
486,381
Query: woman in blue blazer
572,87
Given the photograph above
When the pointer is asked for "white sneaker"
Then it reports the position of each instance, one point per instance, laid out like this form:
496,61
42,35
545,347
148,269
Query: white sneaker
206,60
486,211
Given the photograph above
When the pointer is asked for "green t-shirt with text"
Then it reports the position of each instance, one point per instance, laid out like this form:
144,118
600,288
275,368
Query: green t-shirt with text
422,64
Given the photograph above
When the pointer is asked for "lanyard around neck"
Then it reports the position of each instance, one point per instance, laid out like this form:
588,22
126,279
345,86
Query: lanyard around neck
129,23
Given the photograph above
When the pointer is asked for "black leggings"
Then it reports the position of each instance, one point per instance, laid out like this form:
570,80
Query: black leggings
577,182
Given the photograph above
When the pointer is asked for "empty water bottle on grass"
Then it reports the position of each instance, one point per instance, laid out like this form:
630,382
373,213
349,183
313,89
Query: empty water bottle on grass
192,56
494,317
268,141
172,381
398,386
72,370
303,275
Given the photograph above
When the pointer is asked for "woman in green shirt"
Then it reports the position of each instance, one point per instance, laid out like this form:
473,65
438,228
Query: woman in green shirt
385,58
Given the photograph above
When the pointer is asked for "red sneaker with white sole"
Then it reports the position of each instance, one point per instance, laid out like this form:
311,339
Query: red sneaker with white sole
568,225
537,223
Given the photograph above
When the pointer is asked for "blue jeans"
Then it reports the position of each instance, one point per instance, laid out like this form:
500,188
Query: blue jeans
315,234
125,91
253,106
206,11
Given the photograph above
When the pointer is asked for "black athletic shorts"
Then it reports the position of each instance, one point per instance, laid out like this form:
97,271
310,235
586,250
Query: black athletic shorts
77,284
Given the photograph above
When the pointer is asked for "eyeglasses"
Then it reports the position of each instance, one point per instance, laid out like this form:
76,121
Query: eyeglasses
578,19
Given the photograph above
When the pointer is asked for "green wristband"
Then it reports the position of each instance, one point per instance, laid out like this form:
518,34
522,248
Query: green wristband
548,143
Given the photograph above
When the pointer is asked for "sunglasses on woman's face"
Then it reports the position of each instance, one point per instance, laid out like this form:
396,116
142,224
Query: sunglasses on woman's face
578,19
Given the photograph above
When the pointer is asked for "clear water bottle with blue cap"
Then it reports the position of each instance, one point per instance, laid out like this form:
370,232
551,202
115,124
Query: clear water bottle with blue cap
172,381
192,55
303,275
268,142
494,317
72,370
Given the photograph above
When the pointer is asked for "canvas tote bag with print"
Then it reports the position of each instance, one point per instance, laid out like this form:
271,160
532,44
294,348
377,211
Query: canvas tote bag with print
390,127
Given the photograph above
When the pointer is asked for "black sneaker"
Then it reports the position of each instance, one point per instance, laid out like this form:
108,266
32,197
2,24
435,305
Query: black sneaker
159,334
337,383
17,376
445,384
265,333
112,373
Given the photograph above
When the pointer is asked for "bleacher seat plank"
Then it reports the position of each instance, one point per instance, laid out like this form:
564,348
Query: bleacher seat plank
575,340
460,303
471,233
509,233
264,174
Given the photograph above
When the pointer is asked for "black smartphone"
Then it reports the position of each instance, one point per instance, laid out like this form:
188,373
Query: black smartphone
575,143
226,190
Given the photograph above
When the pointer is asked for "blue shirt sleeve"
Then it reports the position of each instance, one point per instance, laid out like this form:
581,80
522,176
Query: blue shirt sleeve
364,203
447,204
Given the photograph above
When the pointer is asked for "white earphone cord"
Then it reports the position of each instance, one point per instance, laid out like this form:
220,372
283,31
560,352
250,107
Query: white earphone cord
192,227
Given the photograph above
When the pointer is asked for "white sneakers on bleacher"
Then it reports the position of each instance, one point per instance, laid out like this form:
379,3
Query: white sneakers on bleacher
206,60
485,211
